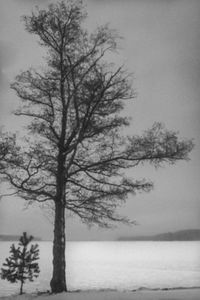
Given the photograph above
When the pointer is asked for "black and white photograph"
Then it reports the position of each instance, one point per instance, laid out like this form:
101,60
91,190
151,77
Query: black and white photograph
100,149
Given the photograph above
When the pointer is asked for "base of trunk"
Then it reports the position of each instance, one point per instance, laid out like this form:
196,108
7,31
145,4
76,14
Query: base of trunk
58,286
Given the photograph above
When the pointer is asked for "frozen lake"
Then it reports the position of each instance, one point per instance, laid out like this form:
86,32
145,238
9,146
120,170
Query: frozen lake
116,265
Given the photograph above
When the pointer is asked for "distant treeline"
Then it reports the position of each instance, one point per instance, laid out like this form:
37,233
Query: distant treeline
182,235
10,237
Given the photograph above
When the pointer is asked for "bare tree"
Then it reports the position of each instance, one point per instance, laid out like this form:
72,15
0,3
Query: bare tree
75,154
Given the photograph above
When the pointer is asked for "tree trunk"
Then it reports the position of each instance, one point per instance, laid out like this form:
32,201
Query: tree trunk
58,281
21,288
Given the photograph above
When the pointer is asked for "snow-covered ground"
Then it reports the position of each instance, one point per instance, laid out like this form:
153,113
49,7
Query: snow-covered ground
182,294
122,266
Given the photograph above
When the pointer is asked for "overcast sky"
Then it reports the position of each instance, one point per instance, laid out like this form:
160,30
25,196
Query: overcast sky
161,46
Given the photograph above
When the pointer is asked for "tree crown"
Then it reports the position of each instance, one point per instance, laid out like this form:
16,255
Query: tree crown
75,106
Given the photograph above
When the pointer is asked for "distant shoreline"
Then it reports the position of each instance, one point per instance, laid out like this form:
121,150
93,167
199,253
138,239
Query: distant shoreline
181,235
14,238
101,241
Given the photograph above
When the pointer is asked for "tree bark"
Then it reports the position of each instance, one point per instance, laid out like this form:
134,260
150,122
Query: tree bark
58,281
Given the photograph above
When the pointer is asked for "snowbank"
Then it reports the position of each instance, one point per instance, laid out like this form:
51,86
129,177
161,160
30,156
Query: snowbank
182,294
